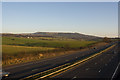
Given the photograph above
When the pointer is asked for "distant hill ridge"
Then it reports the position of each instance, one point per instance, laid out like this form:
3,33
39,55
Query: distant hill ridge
77,36
68,35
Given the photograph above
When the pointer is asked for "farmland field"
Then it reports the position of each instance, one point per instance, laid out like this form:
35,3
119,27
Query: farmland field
18,48
38,42
13,50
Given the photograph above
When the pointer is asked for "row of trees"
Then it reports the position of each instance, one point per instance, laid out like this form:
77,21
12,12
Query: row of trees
106,39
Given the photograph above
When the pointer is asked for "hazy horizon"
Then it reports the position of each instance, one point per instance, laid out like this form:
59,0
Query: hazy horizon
90,18
57,32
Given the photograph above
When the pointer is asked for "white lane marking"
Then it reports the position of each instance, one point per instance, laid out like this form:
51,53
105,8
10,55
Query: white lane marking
87,69
74,77
115,71
99,70
34,69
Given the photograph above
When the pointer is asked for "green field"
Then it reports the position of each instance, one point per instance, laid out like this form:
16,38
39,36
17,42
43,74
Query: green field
38,42
16,49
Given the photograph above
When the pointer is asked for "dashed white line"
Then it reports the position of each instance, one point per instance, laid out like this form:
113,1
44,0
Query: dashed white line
115,71
34,69
99,70
74,77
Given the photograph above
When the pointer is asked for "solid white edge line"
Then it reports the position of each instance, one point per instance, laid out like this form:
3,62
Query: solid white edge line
115,71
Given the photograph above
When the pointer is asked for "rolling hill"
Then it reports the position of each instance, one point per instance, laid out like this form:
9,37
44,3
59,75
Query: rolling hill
76,36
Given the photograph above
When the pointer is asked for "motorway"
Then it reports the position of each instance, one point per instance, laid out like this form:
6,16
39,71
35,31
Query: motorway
104,66
26,69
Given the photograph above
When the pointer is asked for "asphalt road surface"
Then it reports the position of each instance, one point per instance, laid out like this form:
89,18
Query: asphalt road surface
26,69
105,66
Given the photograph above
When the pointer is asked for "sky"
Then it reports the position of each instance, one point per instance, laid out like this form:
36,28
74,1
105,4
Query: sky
92,18
59,0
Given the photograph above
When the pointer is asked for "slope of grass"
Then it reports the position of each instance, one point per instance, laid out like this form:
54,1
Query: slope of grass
12,54
13,50
36,42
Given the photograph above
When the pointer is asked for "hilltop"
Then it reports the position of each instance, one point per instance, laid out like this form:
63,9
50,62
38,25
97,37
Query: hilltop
76,36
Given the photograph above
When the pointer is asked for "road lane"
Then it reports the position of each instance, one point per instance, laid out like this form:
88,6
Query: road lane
102,66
